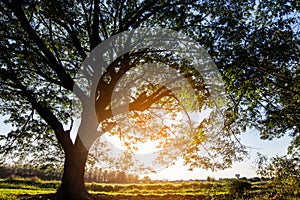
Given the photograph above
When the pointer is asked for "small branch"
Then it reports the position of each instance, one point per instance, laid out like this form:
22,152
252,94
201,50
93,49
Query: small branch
53,63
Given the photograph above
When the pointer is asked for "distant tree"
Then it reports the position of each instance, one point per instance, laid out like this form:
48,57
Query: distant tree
111,176
89,175
105,176
146,179
132,178
100,175
210,179
8,171
121,177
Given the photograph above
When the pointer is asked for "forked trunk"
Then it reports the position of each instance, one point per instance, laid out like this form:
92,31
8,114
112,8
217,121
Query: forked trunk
72,185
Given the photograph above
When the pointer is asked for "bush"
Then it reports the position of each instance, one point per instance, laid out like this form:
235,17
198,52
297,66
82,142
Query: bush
118,188
239,186
94,187
108,188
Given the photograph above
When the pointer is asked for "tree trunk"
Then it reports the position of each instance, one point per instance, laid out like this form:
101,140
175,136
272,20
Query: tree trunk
72,185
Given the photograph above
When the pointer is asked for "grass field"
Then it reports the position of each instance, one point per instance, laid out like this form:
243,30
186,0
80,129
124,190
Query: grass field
19,188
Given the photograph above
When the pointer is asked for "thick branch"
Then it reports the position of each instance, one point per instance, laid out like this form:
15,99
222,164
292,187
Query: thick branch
105,90
45,113
142,103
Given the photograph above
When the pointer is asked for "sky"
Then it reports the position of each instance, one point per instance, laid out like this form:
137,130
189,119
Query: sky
245,168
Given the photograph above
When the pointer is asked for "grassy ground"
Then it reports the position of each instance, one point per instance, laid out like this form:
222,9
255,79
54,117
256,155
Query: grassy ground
18,188
13,188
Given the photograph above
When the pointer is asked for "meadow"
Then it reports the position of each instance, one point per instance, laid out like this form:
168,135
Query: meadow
34,188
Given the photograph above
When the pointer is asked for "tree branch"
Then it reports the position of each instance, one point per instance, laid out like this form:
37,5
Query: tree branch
53,63
72,33
45,113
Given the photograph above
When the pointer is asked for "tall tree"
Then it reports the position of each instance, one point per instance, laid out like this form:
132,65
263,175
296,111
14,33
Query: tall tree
254,44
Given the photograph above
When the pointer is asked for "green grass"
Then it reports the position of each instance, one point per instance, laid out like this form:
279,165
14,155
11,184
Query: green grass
193,188
11,188
14,187
12,194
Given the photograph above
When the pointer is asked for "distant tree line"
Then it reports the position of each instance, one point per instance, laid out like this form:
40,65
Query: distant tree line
28,172
100,175
93,174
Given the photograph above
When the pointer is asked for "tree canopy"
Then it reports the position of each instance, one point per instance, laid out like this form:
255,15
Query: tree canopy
254,44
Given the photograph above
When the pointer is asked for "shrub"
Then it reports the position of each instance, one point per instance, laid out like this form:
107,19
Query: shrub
94,187
108,188
239,186
118,188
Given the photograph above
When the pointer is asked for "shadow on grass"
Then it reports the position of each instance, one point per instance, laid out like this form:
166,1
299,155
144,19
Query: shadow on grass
121,197
158,197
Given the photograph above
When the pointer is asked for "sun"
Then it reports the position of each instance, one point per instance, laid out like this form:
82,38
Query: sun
145,132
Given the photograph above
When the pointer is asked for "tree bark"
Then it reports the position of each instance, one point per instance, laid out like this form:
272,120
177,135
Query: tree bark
72,185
